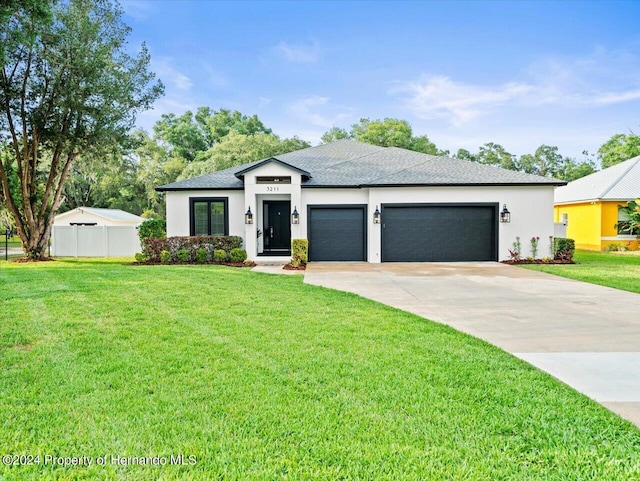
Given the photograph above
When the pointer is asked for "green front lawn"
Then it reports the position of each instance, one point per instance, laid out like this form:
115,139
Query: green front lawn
620,270
263,377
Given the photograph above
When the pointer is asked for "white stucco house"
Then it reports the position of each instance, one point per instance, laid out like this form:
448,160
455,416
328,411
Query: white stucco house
90,216
360,202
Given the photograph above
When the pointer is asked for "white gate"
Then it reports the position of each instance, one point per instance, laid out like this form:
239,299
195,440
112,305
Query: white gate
94,241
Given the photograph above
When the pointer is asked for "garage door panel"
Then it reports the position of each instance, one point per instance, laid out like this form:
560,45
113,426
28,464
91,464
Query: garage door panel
337,233
439,233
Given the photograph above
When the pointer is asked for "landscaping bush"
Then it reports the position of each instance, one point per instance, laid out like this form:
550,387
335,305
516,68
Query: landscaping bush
153,228
201,255
182,255
165,257
299,251
617,247
153,246
219,255
237,255
140,257
564,248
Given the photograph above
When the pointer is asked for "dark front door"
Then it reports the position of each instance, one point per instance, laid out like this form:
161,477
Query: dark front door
277,228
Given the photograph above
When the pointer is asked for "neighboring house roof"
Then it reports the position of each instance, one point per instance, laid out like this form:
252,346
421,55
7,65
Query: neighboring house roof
347,163
110,214
619,182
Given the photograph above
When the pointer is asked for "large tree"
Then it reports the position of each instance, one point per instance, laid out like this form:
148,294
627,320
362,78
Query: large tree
68,91
385,133
619,148
237,149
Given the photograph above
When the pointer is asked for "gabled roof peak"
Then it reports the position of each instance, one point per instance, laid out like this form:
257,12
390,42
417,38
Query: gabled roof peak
248,168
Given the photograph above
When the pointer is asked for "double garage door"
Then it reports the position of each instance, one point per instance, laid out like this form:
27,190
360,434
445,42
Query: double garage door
410,233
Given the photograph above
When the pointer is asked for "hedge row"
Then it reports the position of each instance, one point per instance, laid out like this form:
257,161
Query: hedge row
152,247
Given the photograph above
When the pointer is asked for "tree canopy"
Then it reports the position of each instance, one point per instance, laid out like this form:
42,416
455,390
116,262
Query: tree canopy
68,91
385,133
619,148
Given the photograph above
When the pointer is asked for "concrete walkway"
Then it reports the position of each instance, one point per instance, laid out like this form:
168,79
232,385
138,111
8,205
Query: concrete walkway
587,336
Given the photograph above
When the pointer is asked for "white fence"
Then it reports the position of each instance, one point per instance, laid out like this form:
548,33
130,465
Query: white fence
94,241
559,229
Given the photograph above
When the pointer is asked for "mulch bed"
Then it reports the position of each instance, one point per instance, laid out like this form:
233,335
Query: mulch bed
230,264
291,267
22,260
538,261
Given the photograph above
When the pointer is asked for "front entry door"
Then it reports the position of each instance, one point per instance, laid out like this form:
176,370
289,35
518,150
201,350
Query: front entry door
277,228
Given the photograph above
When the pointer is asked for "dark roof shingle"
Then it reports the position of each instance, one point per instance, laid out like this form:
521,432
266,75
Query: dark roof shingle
347,163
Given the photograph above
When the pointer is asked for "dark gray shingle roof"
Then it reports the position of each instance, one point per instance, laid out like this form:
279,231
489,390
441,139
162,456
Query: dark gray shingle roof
347,163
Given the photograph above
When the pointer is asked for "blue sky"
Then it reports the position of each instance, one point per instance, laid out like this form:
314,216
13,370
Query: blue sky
464,73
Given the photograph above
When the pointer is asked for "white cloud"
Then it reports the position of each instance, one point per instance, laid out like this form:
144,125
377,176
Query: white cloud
170,75
264,101
138,9
299,53
318,111
214,77
609,98
438,96
601,79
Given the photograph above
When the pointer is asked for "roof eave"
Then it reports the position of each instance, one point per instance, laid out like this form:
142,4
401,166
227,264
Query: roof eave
240,174
178,189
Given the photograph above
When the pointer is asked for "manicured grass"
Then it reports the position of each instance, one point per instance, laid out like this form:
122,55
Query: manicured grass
13,241
620,270
264,377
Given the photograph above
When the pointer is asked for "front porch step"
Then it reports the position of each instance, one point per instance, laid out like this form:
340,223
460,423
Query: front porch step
272,260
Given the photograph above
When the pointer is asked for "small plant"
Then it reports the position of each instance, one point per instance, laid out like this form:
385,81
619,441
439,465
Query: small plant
237,255
182,255
140,257
516,250
299,252
201,255
220,255
165,257
564,249
534,246
617,247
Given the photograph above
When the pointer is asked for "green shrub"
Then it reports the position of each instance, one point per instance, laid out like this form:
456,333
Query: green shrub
165,257
201,255
182,255
153,246
300,251
617,247
237,255
564,248
153,228
220,255
140,257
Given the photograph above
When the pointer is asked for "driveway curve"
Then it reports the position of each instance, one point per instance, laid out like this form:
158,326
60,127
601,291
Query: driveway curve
587,336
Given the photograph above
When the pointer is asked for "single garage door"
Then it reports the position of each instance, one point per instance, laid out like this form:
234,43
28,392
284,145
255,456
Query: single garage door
337,233
439,233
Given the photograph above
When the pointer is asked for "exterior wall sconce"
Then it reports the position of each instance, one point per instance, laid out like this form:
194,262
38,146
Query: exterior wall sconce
295,217
505,215
248,217
377,216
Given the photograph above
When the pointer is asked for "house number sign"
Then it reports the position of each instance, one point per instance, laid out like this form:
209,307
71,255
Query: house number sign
273,188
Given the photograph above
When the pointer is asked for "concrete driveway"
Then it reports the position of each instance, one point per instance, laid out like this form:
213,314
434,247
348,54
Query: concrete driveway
587,336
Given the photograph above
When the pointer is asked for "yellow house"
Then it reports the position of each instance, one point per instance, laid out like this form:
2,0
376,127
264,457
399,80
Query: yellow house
590,206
